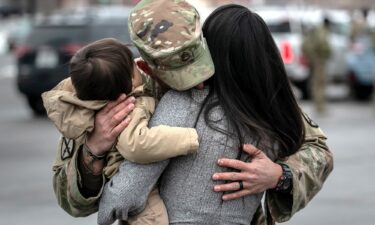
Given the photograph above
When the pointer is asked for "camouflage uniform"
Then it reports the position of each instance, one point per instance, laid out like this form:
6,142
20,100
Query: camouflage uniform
359,27
169,38
310,166
316,49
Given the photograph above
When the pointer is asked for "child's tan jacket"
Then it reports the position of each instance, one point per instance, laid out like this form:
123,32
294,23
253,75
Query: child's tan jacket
74,117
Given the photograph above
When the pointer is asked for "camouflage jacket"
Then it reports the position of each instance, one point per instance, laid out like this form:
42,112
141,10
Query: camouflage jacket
310,166
315,45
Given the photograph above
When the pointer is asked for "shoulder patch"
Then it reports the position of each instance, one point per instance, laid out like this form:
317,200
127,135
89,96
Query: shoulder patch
67,148
310,121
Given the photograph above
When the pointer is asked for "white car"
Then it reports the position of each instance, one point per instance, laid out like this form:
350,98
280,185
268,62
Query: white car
3,43
287,24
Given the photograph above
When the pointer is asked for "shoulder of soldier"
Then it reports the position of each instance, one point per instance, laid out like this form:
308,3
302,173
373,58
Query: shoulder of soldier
312,129
67,147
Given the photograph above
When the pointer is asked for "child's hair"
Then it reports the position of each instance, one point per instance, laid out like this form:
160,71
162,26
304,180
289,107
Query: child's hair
102,70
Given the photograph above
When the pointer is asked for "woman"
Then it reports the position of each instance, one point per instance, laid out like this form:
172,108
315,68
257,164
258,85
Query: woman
254,73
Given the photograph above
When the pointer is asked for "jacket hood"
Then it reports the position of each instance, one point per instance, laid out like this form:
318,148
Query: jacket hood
72,116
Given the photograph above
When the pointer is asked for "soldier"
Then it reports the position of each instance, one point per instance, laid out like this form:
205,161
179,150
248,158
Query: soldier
309,166
316,48
361,59
359,25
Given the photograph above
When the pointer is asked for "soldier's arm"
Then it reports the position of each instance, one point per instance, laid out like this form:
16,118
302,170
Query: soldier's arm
68,186
67,181
310,167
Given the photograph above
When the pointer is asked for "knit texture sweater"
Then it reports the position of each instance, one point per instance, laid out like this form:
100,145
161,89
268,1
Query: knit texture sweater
186,184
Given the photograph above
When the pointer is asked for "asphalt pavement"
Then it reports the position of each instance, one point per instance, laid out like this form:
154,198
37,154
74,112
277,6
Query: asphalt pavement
28,146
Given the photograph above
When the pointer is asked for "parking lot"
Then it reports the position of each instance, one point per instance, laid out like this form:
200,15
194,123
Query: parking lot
28,144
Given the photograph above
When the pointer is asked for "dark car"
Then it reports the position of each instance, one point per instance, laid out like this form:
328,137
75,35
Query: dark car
43,59
9,10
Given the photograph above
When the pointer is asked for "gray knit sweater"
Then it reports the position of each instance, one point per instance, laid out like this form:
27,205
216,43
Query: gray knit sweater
186,184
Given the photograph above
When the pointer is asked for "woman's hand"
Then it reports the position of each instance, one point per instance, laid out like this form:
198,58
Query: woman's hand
109,123
257,176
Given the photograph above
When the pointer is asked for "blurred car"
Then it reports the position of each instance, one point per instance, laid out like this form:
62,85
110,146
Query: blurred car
287,26
361,61
6,26
3,43
9,10
43,58
18,31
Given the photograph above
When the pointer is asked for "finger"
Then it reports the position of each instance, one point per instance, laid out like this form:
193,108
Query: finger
237,194
251,150
129,102
121,114
121,127
230,176
232,163
114,107
112,104
233,186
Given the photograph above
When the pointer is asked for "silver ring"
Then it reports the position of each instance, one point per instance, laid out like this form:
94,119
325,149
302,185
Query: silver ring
241,184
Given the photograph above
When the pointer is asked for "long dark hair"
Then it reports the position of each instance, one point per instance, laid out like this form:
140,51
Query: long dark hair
250,81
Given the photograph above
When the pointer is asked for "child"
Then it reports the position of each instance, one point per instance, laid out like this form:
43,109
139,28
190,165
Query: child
102,71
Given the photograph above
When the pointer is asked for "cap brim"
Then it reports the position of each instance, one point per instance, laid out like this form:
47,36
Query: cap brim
191,75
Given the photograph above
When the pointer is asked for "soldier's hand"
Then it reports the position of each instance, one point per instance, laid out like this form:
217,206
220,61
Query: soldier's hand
109,123
257,176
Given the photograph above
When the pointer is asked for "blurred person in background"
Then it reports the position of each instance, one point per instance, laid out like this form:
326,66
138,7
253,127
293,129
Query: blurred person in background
317,50
298,179
361,57
360,26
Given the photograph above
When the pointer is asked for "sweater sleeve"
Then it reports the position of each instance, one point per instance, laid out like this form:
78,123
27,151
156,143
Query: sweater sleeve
126,193
138,143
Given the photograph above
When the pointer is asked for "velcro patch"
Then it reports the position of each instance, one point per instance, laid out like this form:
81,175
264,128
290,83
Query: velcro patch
67,148
310,121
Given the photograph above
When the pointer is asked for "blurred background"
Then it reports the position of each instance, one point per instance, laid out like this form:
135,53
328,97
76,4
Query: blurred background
38,37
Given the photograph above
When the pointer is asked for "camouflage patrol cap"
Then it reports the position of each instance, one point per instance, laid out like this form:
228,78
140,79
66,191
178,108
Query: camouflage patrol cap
169,38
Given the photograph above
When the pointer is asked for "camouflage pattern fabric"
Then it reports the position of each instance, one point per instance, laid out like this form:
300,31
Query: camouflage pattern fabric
169,38
310,167
315,45
316,49
67,179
